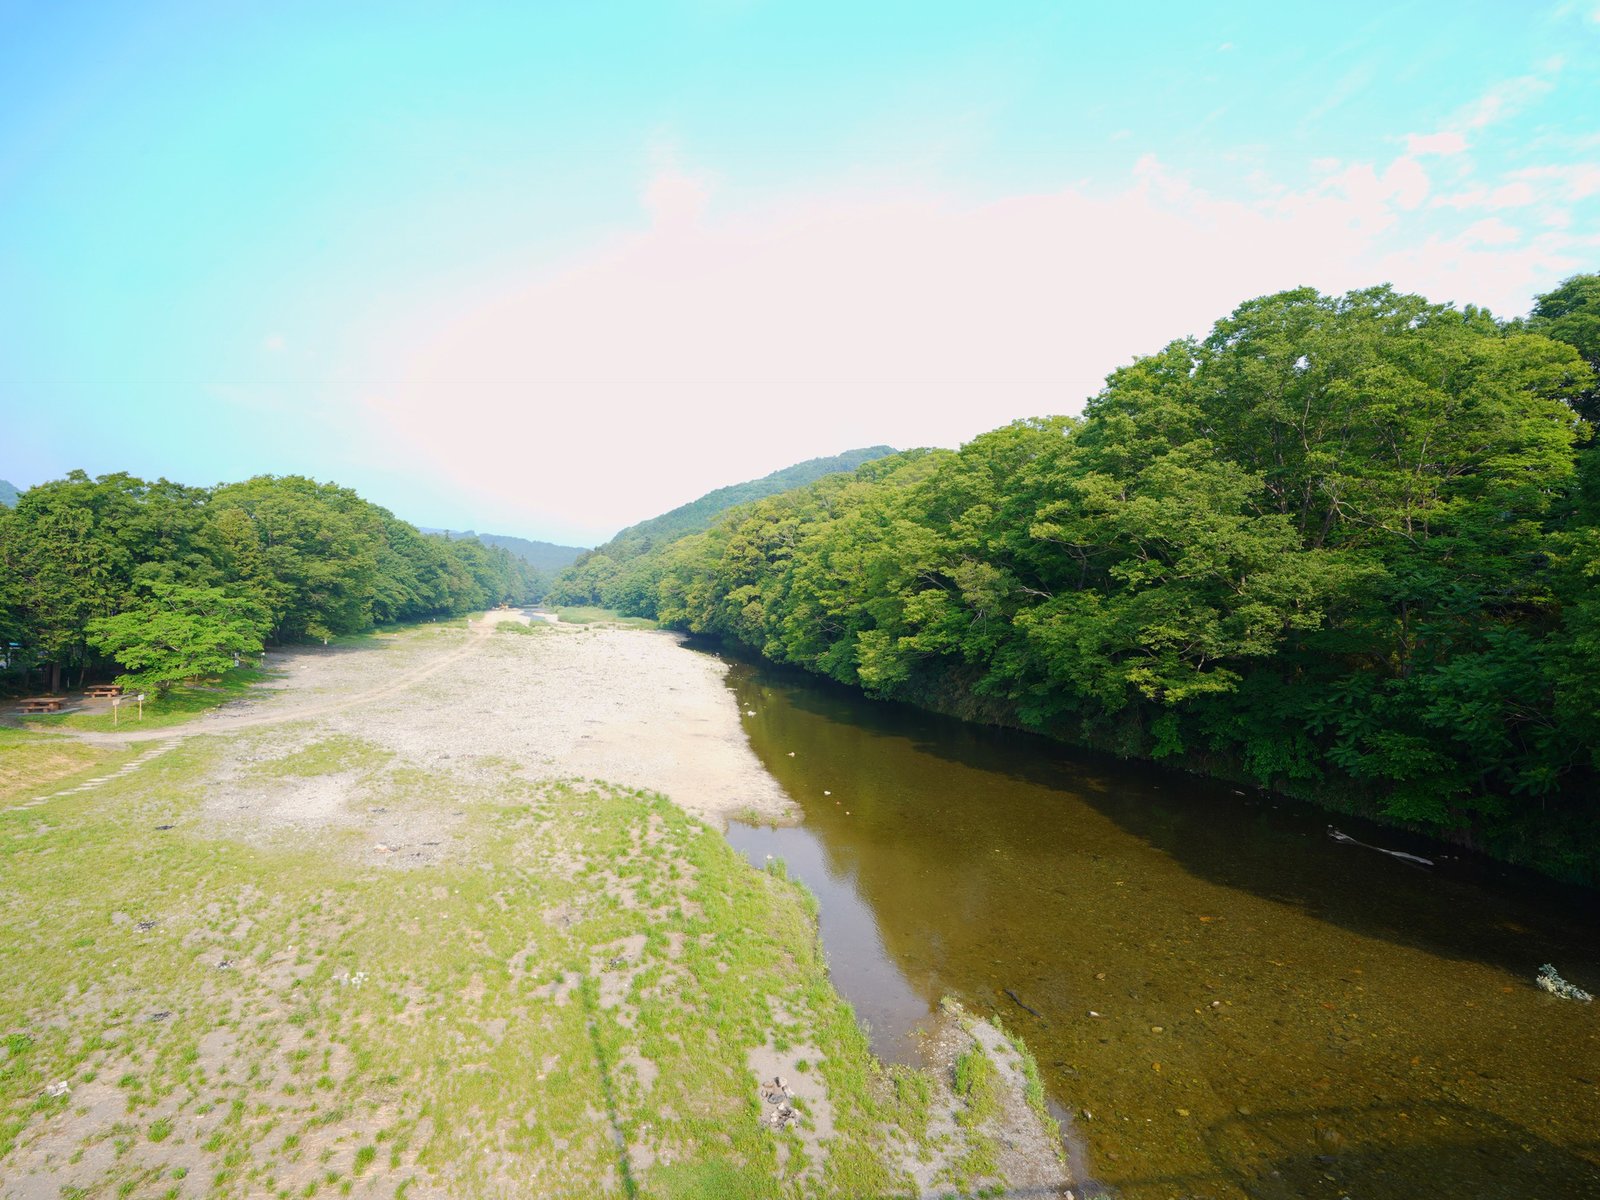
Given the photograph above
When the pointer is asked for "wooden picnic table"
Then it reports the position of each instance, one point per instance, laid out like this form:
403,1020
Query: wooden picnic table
102,691
40,704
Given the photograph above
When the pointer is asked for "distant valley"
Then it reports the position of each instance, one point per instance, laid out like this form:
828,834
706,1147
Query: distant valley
542,556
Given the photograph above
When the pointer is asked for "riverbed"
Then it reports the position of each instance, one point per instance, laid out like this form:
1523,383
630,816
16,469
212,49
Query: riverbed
1229,1001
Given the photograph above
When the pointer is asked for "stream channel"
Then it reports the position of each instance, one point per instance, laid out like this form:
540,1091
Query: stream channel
1227,1001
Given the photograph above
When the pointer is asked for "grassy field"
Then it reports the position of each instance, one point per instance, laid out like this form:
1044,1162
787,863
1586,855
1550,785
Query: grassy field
573,1003
181,704
31,762
585,615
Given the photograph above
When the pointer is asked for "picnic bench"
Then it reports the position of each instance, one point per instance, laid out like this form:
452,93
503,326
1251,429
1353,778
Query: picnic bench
102,691
40,704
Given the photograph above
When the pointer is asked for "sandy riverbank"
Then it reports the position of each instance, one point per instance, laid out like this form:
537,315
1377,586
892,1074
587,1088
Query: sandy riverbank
630,706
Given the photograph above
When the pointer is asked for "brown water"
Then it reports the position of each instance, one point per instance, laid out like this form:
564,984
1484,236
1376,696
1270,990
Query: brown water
1230,1002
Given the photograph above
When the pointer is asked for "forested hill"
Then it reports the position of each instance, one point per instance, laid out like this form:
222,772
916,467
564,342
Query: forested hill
8,494
600,575
1344,547
548,557
167,581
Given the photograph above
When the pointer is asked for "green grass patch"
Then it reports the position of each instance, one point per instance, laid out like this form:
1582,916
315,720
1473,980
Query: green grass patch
30,762
327,756
589,615
978,1085
179,705
518,629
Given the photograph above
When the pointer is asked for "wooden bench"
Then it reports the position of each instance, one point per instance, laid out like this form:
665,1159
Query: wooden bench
102,691
40,704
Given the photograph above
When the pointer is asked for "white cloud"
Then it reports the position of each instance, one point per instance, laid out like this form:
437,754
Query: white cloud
1505,99
851,316
1445,143
1573,181
274,343
674,198
1508,195
1491,231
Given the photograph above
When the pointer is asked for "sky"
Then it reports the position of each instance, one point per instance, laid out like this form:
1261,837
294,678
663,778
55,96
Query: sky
549,268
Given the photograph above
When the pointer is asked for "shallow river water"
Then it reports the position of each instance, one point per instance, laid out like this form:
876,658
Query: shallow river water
1228,1001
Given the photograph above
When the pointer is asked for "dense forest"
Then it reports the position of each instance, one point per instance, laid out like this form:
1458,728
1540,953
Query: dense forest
164,581
1344,547
612,574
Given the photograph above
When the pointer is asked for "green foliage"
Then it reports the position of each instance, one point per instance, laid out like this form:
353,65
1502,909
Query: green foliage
1338,546
165,579
607,576
1571,314
180,633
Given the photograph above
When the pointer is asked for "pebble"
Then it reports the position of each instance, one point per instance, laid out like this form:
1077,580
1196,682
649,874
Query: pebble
1157,1029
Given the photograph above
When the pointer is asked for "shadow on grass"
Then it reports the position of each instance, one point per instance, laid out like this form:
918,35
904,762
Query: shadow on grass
603,1065
177,706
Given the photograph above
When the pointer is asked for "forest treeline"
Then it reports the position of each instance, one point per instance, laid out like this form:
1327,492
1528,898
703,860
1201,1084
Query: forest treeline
1345,547
161,581
613,570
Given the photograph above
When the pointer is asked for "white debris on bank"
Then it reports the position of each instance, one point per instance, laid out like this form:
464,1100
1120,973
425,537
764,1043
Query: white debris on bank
1557,986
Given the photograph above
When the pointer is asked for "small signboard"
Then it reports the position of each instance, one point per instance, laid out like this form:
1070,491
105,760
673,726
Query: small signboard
116,706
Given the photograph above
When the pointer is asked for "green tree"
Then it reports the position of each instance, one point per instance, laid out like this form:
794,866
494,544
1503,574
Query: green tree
180,632
1571,314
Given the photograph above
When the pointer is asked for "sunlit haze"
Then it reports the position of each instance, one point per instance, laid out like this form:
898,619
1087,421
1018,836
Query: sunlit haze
549,269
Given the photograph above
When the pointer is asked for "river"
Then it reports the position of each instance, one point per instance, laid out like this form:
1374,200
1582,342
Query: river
1230,1002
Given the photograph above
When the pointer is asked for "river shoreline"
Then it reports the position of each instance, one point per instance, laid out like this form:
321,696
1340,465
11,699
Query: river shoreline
499,758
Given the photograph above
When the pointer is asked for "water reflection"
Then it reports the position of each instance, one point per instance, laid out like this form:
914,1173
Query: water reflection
1243,1006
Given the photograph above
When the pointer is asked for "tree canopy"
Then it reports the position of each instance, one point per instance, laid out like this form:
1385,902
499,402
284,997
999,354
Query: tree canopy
151,575
1337,547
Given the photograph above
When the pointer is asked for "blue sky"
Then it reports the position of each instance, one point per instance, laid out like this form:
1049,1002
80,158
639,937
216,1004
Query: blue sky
550,268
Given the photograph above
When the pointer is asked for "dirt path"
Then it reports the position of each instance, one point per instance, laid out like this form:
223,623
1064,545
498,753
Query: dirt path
228,719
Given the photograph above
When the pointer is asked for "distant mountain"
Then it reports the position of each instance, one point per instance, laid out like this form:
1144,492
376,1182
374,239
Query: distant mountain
702,513
542,556
8,494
